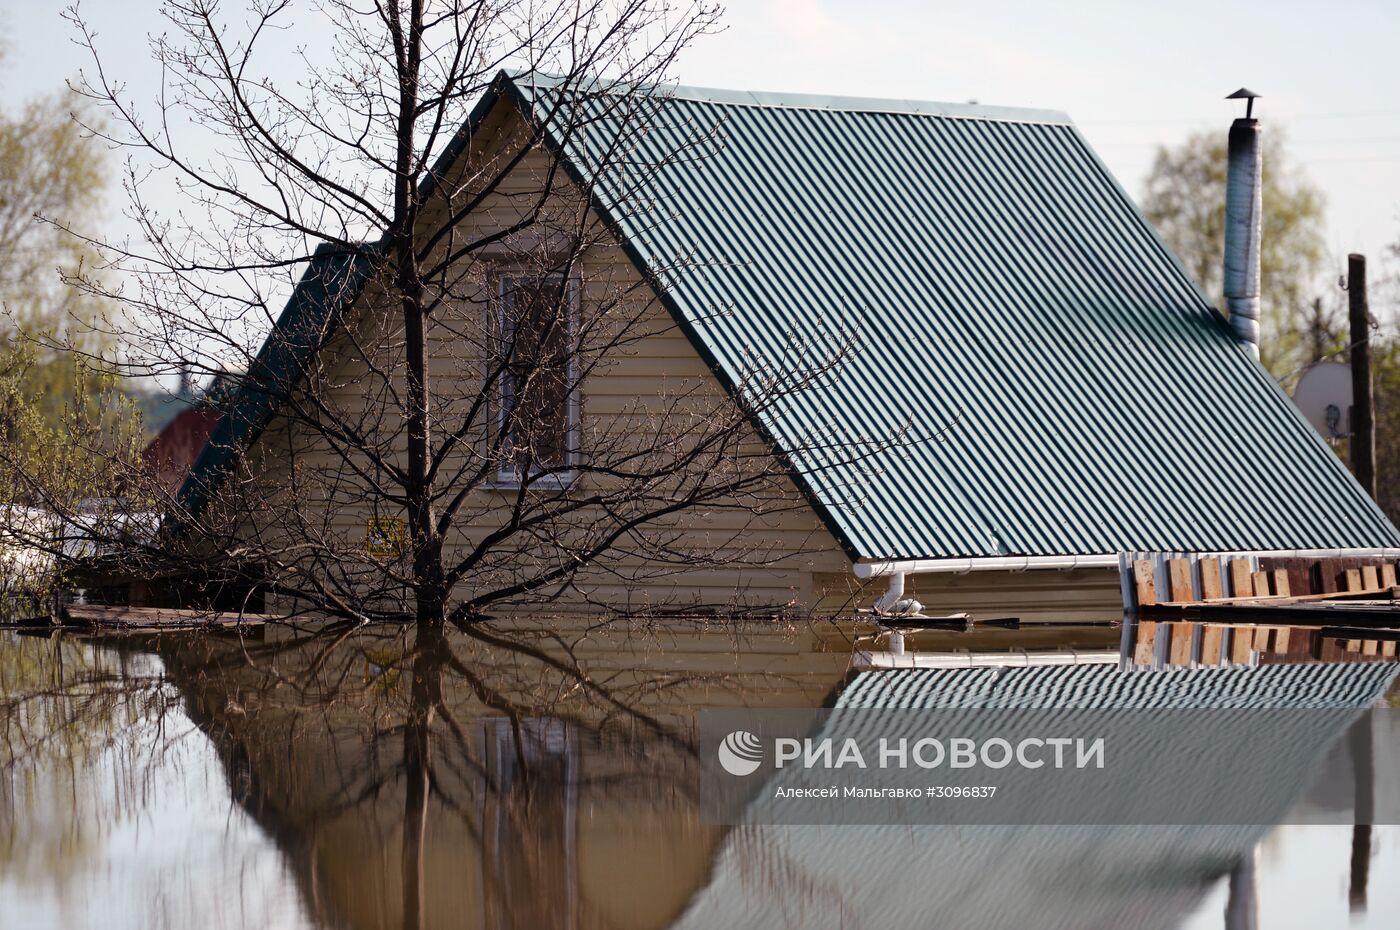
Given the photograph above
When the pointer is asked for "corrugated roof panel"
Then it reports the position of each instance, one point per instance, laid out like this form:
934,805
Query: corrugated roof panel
1073,391
1313,685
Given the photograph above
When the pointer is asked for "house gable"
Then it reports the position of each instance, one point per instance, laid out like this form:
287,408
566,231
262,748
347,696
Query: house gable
755,553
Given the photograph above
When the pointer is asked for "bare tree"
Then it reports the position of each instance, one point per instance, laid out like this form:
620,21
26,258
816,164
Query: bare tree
416,450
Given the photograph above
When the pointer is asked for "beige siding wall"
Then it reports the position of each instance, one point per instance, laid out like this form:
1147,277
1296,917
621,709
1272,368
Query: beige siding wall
757,550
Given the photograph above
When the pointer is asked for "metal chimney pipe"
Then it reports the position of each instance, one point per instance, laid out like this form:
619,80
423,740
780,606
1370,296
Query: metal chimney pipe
1244,208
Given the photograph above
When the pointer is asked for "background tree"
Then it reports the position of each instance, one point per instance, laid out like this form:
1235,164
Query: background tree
51,174
64,410
1184,197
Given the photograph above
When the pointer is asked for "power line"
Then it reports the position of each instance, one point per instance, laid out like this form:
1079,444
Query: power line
1358,114
1373,140
1340,158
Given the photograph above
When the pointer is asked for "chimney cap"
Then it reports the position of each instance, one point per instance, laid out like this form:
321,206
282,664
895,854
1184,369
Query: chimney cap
1247,95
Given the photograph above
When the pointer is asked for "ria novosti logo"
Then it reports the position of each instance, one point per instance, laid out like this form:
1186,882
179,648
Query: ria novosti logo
740,753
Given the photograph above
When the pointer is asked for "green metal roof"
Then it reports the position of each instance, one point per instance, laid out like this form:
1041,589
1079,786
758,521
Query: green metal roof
983,280
1006,299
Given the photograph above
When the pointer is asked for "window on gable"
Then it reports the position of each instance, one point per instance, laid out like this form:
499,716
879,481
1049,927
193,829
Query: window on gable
538,391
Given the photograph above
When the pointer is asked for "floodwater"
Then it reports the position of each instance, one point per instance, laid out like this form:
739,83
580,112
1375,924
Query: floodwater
355,779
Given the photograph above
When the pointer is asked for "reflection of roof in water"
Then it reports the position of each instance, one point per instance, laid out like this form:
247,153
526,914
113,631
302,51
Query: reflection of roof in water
1011,876
1104,686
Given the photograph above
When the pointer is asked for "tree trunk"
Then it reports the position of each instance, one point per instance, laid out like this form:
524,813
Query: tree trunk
425,697
428,575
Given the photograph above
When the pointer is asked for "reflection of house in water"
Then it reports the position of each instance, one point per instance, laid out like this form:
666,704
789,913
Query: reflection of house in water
525,820
529,843
554,823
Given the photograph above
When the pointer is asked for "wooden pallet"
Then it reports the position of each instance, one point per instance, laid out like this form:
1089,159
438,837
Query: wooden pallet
1212,610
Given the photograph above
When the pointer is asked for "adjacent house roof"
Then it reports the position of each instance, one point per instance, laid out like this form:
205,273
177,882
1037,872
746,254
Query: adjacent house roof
172,451
973,279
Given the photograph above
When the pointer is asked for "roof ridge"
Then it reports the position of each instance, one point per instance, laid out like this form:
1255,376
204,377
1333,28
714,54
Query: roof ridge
800,101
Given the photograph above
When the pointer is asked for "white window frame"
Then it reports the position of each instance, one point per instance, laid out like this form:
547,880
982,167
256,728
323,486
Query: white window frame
508,477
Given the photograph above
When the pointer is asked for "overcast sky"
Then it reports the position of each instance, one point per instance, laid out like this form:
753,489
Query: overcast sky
1131,74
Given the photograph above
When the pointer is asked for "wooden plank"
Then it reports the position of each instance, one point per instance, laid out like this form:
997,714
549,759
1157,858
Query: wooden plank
1145,646
1241,584
1261,584
1241,644
1388,649
1369,647
1145,581
1179,652
1300,576
1329,576
1281,585
1388,575
1282,635
1299,572
1261,638
1370,576
1179,577
1363,594
1353,579
1302,644
1212,585
150,618
1212,635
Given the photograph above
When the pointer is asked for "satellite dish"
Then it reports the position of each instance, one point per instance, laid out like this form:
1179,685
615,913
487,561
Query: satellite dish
1324,395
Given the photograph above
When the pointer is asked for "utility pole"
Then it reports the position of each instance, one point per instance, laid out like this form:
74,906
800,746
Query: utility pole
1363,436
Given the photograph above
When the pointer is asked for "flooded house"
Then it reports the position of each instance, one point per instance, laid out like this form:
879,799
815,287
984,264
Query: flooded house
979,284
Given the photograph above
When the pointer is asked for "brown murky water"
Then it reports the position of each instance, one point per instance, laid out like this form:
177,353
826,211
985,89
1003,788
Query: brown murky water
363,780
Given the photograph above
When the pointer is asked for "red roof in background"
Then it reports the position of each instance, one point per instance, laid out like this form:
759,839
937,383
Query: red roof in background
174,449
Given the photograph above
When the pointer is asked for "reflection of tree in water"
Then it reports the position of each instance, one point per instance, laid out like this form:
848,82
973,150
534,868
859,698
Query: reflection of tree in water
68,707
419,779
495,777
